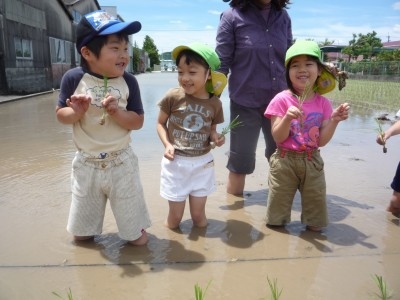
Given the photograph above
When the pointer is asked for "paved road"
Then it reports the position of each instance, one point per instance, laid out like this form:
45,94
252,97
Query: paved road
9,98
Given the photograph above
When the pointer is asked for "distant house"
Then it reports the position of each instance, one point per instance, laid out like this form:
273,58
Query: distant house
167,63
333,54
37,43
394,44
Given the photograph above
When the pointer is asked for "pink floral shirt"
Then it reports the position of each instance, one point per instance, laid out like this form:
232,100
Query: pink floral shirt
304,133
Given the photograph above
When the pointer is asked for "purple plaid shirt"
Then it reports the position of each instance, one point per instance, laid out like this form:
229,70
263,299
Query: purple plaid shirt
252,48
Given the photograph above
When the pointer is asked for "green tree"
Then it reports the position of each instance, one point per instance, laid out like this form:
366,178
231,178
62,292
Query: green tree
136,57
368,43
151,49
326,43
389,55
351,49
363,44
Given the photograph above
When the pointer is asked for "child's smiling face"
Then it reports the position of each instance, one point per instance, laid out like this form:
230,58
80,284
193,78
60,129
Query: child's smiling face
193,77
113,58
303,70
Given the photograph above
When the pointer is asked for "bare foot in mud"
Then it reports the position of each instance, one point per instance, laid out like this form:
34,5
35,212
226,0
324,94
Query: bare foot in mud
314,228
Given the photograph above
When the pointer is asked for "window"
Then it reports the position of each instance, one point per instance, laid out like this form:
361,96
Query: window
60,51
77,57
23,48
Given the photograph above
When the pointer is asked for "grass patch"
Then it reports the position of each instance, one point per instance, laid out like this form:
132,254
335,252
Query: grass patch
199,293
69,295
368,93
275,291
383,294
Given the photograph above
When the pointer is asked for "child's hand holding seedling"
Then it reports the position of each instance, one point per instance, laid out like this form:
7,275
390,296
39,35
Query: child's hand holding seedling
219,139
293,112
110,104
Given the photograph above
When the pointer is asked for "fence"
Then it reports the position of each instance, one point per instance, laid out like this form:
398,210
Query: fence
386,69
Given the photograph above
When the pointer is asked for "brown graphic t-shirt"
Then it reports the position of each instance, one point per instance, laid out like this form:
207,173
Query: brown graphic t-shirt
190,120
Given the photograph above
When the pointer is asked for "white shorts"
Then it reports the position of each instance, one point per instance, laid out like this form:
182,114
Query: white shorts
116,178
186,176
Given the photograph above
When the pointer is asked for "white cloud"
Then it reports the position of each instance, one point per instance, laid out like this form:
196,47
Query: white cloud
396,6
167,40
214,12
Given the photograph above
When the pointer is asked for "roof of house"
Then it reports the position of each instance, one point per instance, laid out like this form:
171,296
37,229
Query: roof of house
393,44
332,48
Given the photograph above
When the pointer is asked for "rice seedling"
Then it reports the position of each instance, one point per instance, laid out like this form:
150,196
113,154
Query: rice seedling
199,293
273,286
232,125
105,90
307,89
69,295
383,294
381,133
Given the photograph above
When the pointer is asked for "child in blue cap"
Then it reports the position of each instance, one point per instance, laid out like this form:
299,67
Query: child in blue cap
102,103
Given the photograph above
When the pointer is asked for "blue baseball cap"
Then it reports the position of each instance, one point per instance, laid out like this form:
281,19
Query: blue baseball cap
99,23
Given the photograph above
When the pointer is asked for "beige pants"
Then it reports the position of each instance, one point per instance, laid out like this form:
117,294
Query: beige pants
114,178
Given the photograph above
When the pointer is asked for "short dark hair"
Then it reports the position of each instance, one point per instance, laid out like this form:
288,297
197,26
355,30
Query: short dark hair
191,56
97,43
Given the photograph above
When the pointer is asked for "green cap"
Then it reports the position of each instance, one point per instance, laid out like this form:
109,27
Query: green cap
218,79
326,82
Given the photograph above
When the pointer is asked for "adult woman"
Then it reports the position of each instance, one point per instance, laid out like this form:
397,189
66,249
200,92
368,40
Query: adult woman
252,39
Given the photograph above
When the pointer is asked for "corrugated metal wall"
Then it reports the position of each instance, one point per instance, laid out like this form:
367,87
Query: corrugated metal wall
36,24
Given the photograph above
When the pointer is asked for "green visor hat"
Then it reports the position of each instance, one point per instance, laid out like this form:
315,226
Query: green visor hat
218,79
326,82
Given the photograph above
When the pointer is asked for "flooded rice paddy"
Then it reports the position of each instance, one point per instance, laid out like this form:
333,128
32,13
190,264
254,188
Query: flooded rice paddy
236,253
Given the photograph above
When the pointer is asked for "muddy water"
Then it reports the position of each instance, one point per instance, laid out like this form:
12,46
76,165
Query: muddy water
236,253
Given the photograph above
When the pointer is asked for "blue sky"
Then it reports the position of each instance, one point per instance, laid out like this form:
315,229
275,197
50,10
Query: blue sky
175,22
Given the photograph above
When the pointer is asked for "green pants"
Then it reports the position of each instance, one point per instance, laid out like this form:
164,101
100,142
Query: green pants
291,171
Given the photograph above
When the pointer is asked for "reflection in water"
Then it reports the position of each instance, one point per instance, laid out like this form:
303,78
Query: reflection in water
236,251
